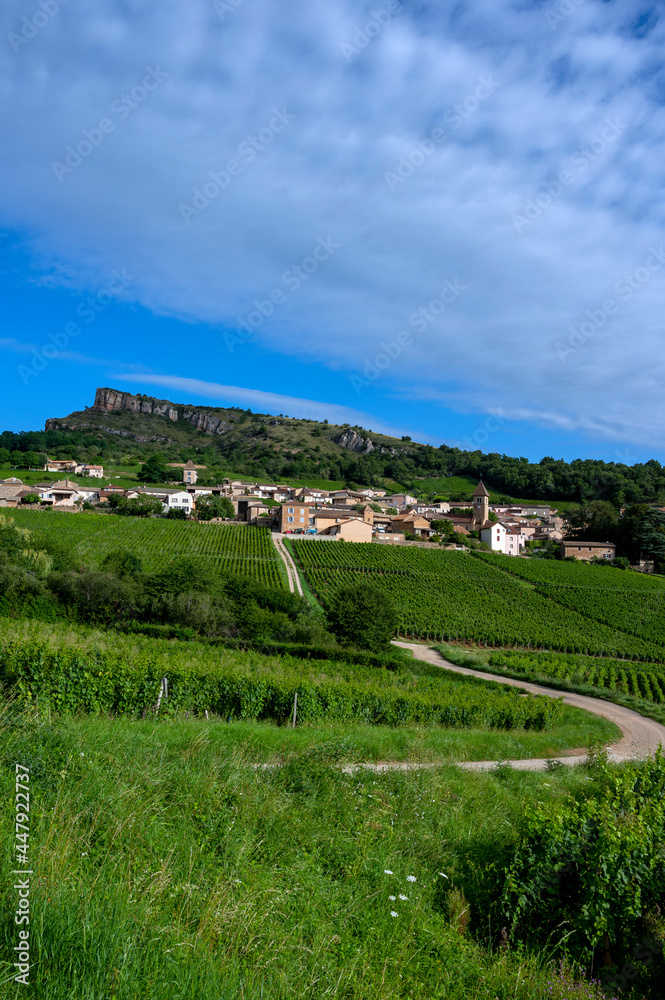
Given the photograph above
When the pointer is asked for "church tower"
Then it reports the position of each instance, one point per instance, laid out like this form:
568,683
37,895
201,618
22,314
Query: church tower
481,506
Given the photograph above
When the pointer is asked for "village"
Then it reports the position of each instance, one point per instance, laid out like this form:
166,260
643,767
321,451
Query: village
362,515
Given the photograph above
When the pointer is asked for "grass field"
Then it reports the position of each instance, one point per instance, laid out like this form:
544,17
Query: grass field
167,867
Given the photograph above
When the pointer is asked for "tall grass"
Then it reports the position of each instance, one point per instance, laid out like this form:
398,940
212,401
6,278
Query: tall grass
166,866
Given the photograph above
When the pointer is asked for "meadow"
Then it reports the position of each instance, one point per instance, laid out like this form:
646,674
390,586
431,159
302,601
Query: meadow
168,866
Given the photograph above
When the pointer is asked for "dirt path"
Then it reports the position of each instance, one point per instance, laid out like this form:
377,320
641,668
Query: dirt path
291,570
640,738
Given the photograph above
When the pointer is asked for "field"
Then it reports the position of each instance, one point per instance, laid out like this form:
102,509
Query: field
455,596
240,549
639,680
168,867
561,573
77,670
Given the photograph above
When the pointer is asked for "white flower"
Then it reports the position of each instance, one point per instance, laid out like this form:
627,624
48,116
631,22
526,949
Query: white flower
392,898
387,871
393,914
410,878
443,875
403,897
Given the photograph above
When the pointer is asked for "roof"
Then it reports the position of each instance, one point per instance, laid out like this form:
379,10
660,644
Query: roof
583,541
480,490
189,465
8,492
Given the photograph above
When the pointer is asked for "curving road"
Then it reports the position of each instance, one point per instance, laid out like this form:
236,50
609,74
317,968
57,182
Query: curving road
641,737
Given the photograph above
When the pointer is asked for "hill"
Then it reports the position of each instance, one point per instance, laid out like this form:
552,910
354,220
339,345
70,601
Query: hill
121,430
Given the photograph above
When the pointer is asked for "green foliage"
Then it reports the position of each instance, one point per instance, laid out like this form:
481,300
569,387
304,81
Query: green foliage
155,471
211,506
592,869
452,595
121,562
143,505
574,574
241,550
92,675
361,615
170,868
645,681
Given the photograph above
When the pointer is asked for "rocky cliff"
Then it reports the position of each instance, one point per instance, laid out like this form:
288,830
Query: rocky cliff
354,441
113,401
110,401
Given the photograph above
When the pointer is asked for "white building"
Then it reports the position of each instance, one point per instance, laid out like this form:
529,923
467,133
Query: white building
96,471
500,538
178,500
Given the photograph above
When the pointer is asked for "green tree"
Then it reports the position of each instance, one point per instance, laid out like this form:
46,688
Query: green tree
154,471
211,506
361,615
141,506
121,562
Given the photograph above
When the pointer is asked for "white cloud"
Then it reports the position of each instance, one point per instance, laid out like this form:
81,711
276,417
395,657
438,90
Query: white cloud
324,174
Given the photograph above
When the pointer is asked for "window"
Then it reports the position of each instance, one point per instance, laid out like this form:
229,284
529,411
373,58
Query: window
302,520
290,511
290,520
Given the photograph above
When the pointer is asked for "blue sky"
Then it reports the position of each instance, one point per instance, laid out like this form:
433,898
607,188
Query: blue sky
442,220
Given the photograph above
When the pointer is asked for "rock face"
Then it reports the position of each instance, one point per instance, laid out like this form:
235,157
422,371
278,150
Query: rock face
110,400
355,442
206,422
113,401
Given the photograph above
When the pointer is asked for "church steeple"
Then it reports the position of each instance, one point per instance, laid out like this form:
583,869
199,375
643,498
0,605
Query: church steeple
481,506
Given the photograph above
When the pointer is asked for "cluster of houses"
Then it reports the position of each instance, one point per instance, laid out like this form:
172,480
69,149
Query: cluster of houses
354,515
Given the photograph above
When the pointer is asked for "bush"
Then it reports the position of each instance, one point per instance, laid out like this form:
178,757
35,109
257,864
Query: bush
363,616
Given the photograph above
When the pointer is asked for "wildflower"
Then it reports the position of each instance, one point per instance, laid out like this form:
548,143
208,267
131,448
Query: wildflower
410,878
403,897
393,914
386,871
392,898
443,875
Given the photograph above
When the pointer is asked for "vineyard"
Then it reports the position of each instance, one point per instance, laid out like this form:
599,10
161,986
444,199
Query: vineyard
240,549
637,613
453,596
74,670
638,680
573,574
